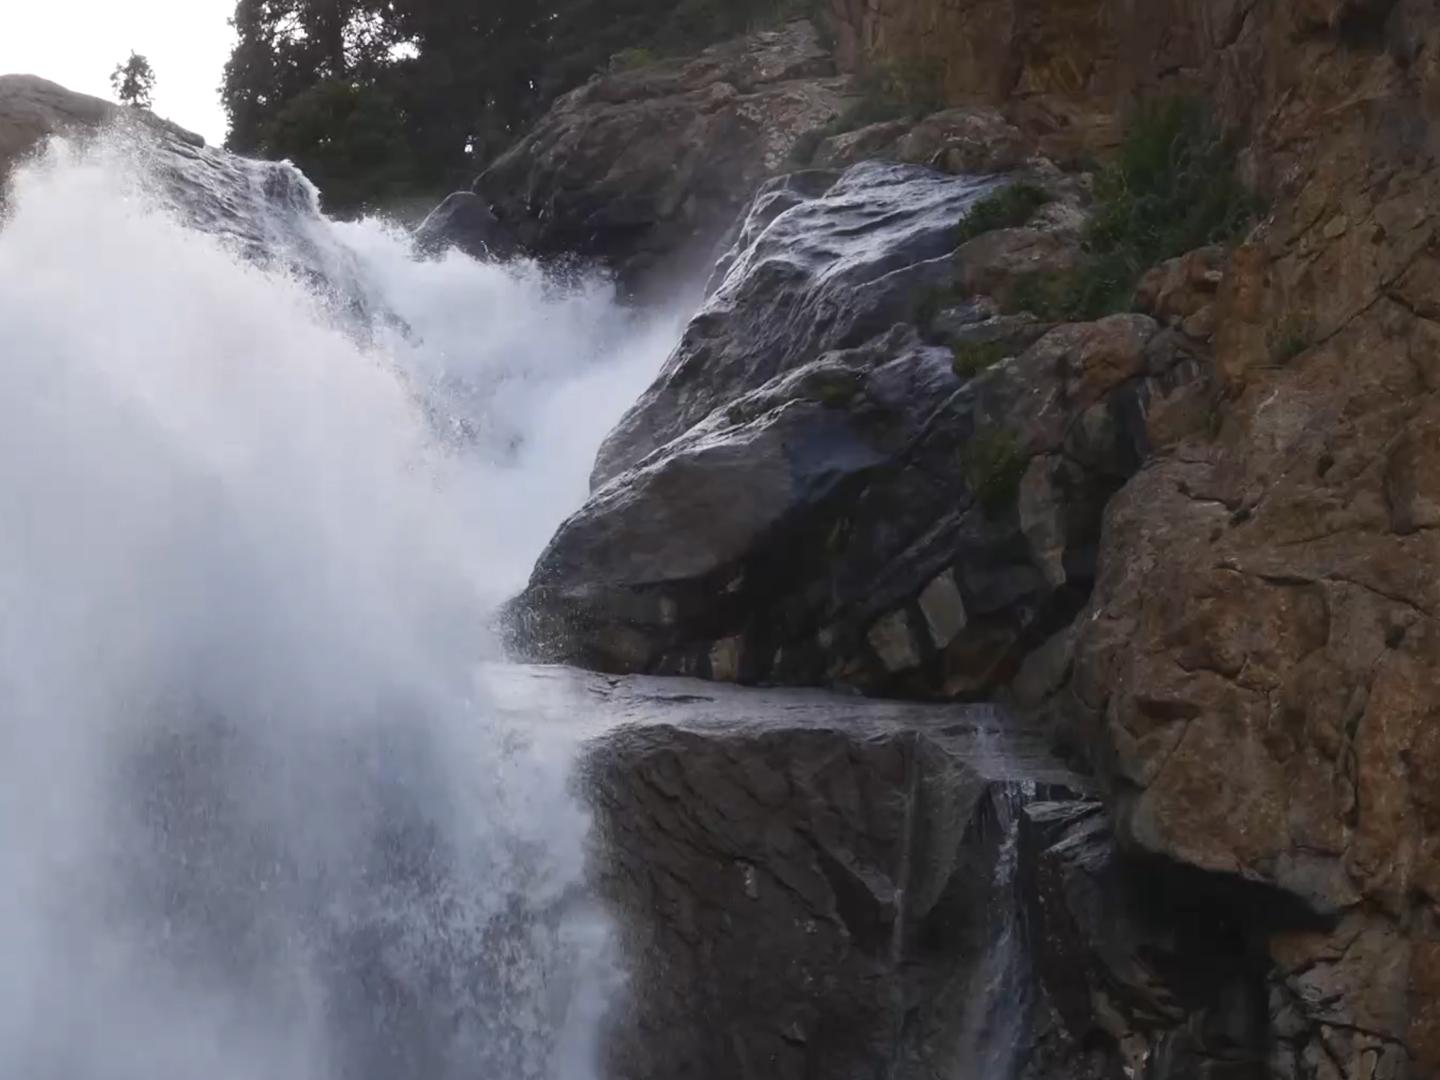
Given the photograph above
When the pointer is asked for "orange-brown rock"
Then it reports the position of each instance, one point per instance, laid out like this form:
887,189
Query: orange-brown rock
1260,664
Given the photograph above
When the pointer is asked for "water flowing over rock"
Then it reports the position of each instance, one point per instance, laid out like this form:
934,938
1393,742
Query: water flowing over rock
1191,546
267,210
812,884
815,884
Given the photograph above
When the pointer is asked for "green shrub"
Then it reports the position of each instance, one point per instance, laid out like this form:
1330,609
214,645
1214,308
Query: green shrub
630,59
1050,295
995,462
1008,208
1171,188
973,357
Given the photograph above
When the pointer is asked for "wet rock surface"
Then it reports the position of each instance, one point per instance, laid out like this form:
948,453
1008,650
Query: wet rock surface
1252,676
817,489
812,884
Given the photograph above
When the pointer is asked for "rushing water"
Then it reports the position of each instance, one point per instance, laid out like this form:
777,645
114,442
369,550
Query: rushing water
262,480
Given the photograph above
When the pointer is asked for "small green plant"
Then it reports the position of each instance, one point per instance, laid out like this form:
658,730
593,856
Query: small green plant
633,58
995,462
1008,208
929,303
1052,295
1171,188
916,85
973,357
1293,337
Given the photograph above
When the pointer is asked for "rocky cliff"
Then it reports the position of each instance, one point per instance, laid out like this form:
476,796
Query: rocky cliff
1209,567
1188,543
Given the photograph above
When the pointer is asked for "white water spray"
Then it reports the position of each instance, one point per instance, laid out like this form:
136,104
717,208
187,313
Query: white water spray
256,821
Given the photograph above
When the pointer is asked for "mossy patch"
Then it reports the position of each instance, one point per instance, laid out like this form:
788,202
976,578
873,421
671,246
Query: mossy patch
995,463
973,357
1009,208
633,59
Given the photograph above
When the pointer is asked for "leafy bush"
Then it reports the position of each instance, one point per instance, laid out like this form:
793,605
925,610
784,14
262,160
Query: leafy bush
1172,188
1008,208
995,462
973,357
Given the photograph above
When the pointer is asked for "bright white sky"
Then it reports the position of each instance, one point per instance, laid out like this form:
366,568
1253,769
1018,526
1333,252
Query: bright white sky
77,43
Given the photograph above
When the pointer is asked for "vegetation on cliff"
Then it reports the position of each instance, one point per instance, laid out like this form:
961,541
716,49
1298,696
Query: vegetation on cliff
379,100
1171,188
1008,208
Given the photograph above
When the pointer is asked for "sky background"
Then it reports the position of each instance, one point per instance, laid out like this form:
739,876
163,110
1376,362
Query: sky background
77,43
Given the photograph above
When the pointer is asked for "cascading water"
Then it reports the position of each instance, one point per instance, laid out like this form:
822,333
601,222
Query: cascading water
989,1047
262,479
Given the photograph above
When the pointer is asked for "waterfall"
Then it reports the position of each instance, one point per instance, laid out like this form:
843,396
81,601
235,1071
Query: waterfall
998,1009
262,480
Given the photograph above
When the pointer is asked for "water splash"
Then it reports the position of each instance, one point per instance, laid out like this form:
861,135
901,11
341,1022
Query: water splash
261,480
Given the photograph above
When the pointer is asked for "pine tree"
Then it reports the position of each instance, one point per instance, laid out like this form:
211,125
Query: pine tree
134,81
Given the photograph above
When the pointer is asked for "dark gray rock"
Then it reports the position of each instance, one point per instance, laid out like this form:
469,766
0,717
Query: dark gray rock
640,167
813,885
464,220
1143,965
817,265
974,139
807,884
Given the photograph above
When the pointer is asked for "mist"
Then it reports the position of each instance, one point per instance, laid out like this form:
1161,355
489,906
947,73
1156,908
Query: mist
256,819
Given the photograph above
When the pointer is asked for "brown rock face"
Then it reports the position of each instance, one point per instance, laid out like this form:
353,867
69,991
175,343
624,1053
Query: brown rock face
1260,664
1258,674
